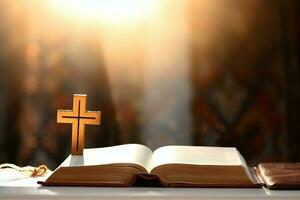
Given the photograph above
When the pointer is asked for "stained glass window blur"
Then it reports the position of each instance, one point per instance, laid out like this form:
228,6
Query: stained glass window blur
195,72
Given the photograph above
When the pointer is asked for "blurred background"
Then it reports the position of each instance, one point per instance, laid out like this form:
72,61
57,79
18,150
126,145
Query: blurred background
185,72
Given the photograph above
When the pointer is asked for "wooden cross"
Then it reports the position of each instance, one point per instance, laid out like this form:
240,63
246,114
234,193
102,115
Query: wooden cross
78,117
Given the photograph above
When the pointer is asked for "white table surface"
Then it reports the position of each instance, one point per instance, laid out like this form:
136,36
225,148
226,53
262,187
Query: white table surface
12,187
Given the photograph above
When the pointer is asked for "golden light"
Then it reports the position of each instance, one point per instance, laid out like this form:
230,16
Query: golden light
107,11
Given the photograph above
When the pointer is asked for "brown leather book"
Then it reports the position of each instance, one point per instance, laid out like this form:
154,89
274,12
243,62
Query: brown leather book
279,175
171,166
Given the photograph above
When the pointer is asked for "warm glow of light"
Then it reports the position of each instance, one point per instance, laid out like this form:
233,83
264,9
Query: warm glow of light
108,11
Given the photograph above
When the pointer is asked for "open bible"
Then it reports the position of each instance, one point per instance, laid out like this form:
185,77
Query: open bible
172,166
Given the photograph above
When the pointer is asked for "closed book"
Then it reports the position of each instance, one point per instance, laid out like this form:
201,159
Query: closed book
279,176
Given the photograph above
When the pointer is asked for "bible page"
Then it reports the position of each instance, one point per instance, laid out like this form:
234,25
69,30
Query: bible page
128,153
196,155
